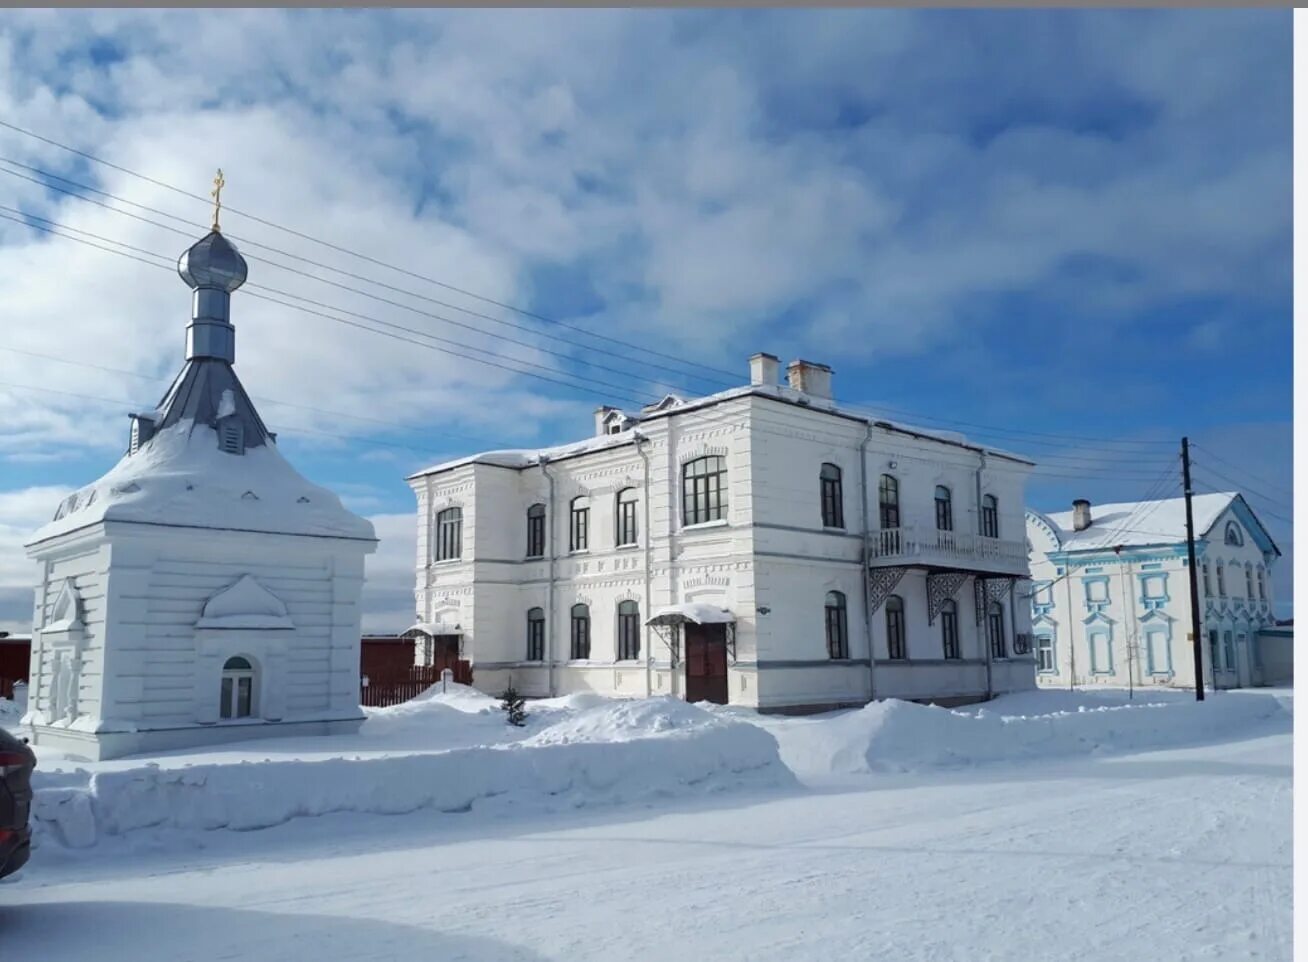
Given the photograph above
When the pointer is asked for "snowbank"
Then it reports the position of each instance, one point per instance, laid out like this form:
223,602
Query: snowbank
903,736
618,752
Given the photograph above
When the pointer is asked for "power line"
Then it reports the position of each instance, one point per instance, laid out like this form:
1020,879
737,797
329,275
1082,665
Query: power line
1271,484
1245,490
343,250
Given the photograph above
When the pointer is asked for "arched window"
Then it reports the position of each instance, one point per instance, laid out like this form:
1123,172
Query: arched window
1248,582
1262,584
1208,584
580,632
1233,535
449,534
536,531
995,630
949,629
704,490
896,643
837,626
628,631
944,509
990,516
536,634
627,529
888,497
1221,580
579,524
833,497
237,694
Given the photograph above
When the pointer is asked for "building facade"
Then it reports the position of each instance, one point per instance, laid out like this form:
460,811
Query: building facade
202,590
1110,601
759,547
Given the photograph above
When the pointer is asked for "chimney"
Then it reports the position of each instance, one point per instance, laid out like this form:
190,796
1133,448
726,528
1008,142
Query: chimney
811,378
1080,514
600,414
764,369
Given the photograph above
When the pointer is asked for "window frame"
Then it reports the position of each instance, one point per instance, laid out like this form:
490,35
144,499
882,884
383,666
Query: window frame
836,619
1221,580
237,683
896,633
1233,536
536,531
888,502
535,634
990,516
996,636
1044,646
628,633
579,617
626,528
950,643
704,490
447,530
1248,582
579,523
944,508
832,495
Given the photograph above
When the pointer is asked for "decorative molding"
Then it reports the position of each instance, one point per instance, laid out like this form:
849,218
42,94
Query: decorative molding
940,588
988,590
881,583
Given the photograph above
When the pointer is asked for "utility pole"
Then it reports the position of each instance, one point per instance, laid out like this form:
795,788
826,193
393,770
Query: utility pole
1195,633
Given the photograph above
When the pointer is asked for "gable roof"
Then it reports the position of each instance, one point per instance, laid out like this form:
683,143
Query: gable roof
1133,524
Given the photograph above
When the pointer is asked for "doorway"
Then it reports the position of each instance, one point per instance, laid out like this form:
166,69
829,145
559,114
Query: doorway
706,662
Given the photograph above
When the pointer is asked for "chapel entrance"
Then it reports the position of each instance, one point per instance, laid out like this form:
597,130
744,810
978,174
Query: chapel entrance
706,662
445,652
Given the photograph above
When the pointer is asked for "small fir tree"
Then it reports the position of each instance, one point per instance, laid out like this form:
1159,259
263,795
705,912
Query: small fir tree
512,704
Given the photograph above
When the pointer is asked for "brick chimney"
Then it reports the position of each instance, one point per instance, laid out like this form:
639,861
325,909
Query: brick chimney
764,369
810,377
1081,514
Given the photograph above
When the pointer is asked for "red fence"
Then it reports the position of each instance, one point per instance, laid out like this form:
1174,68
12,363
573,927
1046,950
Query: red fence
393,689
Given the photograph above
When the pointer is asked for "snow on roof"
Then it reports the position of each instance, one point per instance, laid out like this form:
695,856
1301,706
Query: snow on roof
697,611
1135,523
527,457
181,477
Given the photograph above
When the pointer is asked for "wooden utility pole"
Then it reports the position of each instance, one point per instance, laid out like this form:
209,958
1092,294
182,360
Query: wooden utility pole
1195,633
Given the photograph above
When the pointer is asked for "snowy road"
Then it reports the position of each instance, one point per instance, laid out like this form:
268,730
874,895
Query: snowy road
1170,856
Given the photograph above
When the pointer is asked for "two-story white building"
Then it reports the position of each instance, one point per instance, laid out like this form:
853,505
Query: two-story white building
1110,599
759,546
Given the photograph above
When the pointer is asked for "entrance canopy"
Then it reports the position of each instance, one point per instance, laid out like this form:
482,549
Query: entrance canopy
698,613
431,628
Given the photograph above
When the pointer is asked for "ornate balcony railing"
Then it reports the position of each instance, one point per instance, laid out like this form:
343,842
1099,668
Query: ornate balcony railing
947,549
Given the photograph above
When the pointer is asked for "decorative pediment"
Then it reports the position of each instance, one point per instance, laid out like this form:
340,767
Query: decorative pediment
1098,618
245,604
940,588
881,582
1155,616
66,612
986,590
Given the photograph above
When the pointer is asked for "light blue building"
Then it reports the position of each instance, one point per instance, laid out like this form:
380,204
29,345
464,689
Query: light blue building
1110,597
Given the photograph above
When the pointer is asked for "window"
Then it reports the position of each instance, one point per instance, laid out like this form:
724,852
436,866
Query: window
626,528
1228,651
944,509
1221,580
536,531
536,634
237,697
888,495
833,497
449,534
837,626
1208,585
703,490
1233,535
1248,582
1153,587
949,629
1262,584
580,632
989,517
1256,651
579,526
1101,653
895,642
231,435
1045,654
628,631
1044,594
1158,652
995,630
1096,591
1212,651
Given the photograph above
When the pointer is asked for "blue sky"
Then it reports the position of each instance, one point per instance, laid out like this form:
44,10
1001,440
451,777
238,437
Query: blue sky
1064,223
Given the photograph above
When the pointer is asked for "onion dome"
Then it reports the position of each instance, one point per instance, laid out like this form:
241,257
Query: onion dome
213,263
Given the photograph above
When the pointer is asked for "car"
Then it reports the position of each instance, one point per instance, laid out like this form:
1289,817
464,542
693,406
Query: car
16,764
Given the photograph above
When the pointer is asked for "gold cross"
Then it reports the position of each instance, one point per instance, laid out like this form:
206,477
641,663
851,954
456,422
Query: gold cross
216,194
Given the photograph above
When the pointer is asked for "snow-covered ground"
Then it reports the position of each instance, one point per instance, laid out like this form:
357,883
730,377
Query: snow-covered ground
1049,825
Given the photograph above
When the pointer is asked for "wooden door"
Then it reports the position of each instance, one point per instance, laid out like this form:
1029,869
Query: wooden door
445,652
706,663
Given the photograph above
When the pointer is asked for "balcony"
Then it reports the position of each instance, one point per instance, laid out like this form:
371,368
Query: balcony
947,550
